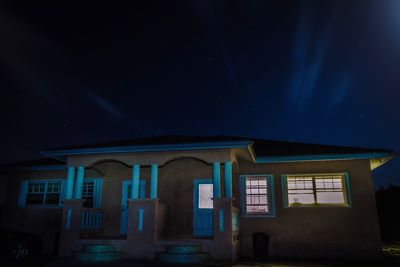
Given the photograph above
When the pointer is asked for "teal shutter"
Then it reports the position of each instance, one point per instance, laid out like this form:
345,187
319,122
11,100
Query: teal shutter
242,195
271,194
142,189
348,194
97,189
63,191
284,191
23,190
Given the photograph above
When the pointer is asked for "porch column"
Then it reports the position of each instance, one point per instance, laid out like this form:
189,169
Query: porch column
217,180
228,179
70,183
153,181
135,181
79,182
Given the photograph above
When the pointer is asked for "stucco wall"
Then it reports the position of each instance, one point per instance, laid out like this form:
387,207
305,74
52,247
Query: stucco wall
112,173
295,232
175,189
42,221
321,232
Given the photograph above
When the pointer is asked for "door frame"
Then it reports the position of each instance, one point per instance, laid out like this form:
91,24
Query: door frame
196,210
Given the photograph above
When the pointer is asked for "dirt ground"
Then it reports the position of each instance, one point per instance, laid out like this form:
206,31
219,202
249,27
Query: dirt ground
391,259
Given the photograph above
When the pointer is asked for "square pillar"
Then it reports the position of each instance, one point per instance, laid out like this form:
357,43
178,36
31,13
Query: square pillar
226,248
153,181
70,227
70,183
217,180
135,181
79,182
142,227
228,179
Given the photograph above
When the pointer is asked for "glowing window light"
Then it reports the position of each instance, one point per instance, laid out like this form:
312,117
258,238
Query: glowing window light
321,189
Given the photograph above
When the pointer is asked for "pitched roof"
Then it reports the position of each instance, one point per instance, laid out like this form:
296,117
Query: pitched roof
262,147
37,162
34,165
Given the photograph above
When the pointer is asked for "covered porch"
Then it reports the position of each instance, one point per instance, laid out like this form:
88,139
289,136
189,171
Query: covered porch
182,199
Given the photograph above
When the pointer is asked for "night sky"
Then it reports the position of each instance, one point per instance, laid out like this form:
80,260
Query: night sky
313,71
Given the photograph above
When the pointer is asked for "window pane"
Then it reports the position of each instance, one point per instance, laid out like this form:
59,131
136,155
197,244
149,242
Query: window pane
330,197
53,198
43,192
88,193
301,199
34,198
328,189
256,195
257,209
263,190
205,196
263,200
254,191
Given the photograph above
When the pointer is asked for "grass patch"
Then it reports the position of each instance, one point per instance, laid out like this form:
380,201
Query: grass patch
391,250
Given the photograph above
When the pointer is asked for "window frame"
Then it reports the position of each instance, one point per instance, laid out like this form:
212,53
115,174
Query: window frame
97,191
23,192
345,184
46,181
270,196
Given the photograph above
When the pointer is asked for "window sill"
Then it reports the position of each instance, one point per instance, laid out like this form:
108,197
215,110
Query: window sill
319,206
44,206
267,216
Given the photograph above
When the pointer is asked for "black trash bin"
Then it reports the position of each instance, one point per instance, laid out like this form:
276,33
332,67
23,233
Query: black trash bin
260,246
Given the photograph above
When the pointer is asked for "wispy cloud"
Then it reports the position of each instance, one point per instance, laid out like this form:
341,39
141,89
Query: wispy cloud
341,89
308,59
104,104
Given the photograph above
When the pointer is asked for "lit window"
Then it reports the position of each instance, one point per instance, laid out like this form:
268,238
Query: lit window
43,193
256,195
320,189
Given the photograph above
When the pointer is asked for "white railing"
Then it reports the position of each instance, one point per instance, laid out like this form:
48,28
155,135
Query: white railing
91,220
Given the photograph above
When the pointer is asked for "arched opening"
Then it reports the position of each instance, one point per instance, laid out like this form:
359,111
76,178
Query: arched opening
185,158
176,193
112,174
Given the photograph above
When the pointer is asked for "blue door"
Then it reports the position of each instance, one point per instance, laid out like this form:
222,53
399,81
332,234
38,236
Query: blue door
203,208
126,194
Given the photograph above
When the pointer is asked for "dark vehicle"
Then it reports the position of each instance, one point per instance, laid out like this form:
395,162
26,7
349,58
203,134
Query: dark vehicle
19,246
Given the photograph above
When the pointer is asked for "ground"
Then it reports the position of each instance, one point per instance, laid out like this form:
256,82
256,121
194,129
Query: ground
391,252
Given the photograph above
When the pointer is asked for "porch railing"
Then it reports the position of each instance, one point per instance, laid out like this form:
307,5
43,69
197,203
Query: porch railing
92,220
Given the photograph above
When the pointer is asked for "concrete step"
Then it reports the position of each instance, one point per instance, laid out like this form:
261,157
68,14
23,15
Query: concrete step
183,258
97,257
183,249
98,248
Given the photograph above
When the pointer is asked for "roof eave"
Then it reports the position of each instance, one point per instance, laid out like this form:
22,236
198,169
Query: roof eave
322,157
60,154
6,169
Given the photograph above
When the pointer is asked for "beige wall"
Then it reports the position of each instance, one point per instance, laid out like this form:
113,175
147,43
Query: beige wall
175,189
317,232
295,232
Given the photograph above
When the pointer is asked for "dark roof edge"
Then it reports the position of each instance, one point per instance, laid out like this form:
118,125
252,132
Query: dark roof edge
148,148
33,168
320,157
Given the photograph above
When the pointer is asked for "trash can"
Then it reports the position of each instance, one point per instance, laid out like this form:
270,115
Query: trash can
260,246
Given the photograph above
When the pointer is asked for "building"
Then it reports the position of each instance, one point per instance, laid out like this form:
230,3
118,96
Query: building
313,201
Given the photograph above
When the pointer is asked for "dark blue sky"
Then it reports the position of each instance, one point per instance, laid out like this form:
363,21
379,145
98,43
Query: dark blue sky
308,71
